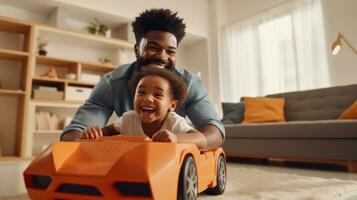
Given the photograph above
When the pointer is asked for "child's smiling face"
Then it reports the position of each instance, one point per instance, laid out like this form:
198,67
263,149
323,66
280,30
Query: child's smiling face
153,99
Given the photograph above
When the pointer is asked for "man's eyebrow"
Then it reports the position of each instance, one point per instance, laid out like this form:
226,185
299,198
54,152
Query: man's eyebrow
153,43
157,44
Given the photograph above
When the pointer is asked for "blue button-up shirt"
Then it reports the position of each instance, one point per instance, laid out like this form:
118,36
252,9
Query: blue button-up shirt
112,93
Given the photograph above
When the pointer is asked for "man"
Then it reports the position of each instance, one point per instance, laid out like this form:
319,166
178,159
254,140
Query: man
157,33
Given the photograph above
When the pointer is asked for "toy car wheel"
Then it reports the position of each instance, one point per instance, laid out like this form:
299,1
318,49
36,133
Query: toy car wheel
221,177
188,181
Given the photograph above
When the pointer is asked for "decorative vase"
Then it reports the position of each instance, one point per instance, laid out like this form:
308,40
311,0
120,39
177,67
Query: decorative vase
42,52
71,76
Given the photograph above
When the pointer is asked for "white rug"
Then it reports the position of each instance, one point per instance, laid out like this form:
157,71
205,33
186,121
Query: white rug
248,183
253,184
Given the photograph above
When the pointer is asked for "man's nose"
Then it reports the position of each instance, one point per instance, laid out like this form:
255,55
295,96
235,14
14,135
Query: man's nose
163,56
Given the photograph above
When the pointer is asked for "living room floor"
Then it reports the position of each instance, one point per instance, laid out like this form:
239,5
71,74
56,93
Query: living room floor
287,180
301,169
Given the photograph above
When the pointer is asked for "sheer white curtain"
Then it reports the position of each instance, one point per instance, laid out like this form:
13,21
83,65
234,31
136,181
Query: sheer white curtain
282,49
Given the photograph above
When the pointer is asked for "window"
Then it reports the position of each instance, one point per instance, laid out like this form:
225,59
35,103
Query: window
280,50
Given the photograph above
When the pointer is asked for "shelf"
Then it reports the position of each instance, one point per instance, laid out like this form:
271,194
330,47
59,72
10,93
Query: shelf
54,61
97,67
14,26
59,80
48,132
56,103
15,158
12,92
86,38
67,49
13,55
67,63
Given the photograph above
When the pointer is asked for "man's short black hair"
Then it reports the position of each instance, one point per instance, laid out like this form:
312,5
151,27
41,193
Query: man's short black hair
177,85
158,20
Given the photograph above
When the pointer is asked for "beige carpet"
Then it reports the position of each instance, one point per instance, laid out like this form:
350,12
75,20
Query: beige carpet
253,184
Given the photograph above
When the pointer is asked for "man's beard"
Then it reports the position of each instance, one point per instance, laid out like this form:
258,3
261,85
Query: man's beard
145,62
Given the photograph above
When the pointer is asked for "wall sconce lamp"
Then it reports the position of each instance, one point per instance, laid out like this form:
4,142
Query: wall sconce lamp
336,46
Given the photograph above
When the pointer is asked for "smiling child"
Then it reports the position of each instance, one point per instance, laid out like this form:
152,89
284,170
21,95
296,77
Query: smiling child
157,93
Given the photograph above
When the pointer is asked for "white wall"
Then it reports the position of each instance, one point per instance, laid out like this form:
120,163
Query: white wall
195,12
233,10
14,12
213,48
340,16
196,61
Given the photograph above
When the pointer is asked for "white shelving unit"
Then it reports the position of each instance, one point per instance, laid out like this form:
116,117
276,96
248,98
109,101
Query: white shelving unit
15,45
68,52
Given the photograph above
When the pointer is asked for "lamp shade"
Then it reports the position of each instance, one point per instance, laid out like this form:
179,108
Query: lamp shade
336,49
336,46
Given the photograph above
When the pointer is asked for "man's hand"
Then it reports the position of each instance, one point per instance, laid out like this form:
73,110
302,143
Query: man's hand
164,136
94,132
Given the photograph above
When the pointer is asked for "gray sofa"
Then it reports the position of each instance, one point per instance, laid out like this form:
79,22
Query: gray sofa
311,132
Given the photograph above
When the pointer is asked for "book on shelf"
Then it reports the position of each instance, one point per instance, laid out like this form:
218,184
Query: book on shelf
46,121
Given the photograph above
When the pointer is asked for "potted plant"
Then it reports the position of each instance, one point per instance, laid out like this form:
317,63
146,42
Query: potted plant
97,28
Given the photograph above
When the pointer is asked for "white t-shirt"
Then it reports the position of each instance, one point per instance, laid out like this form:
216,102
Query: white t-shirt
129,124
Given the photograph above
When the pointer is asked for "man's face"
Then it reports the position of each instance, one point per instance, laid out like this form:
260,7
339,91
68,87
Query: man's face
158,49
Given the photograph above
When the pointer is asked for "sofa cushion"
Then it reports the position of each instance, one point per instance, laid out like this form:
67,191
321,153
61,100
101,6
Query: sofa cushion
232,113
322,129
318,104
262,109
350,113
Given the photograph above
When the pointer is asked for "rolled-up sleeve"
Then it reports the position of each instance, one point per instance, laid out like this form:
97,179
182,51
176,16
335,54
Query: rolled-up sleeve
96,110
199,108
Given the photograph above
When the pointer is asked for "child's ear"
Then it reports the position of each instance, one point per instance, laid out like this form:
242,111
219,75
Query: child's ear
173,105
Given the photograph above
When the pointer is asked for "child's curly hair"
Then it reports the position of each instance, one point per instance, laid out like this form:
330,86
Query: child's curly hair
158,20
177,85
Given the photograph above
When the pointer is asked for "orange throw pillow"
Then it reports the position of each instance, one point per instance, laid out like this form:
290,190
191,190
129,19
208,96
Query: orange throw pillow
350,113
262,109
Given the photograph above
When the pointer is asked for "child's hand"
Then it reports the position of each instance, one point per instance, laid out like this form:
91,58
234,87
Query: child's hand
164,136
92,133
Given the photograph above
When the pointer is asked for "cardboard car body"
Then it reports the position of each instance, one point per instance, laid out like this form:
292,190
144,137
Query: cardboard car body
120,167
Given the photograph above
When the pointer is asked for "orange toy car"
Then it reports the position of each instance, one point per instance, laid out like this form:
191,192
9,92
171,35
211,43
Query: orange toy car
125,167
